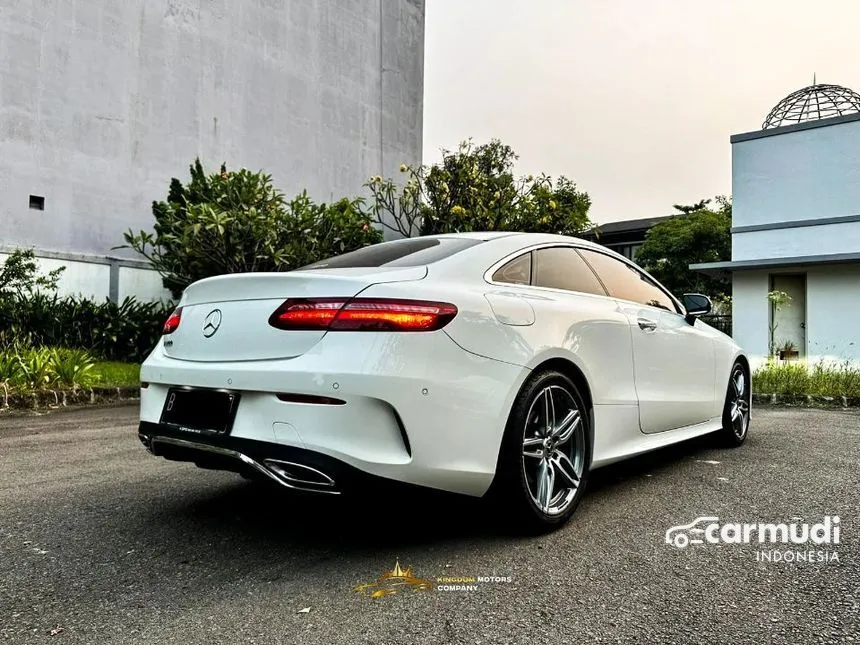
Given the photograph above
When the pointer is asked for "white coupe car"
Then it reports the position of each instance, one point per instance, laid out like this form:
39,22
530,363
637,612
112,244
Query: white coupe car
505,365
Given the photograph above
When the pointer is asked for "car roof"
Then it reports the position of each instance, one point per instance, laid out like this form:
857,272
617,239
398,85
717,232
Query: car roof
494,246
520,237
473,235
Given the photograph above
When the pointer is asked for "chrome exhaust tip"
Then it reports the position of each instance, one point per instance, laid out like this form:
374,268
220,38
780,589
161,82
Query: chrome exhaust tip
286,473
300,475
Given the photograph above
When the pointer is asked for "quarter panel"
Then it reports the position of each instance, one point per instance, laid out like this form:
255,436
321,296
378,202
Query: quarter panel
590,331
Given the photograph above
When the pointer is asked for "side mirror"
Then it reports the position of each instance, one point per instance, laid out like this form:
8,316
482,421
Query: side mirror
696,305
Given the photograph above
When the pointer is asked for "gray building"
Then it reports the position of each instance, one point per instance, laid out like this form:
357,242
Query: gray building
102,102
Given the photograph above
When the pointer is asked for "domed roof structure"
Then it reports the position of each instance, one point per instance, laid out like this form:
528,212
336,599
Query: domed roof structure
812,103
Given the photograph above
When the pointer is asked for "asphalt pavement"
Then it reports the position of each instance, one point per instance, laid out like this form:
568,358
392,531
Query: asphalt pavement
102,543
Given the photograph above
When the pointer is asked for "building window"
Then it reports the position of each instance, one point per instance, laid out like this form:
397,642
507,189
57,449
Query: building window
37,202
629,251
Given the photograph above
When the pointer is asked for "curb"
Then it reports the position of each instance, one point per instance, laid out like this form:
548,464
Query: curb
807,400
55,399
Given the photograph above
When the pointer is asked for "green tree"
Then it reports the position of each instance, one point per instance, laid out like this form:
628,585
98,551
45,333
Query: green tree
700,205
233,222
697,234
20,276
475,189
20,283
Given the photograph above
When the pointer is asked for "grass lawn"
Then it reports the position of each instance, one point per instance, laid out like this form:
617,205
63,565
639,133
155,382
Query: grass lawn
815,380
113,374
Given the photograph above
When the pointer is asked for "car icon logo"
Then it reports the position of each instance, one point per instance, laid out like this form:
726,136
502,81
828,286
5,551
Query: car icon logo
211,323
683,535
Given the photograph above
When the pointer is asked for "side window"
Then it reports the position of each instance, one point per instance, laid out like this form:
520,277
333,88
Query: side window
562,268
517,271
625,282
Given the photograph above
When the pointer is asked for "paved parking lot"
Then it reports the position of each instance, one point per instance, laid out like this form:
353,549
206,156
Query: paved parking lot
102,543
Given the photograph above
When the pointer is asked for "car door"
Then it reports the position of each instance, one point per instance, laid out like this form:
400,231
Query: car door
673,360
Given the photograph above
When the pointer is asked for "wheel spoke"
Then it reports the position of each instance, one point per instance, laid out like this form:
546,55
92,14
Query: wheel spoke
546,484
740,385
739,422
533,447
549,408
565,429
563,466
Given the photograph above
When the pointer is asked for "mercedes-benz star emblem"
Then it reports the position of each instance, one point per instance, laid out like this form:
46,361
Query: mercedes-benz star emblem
211,323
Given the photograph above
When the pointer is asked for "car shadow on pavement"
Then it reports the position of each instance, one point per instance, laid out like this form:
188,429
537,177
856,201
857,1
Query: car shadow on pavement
388,516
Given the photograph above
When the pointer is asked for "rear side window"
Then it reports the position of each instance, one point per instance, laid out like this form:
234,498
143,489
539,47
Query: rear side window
410,252
625,282
517,271
563,268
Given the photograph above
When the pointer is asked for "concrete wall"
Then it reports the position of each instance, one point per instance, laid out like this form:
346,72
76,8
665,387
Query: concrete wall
102,102
797,175
832,312
797,242
751,313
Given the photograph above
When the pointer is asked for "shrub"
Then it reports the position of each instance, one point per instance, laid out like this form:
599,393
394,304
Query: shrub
232,222
32,313
21,281
125,331
798,378
72,367
27,368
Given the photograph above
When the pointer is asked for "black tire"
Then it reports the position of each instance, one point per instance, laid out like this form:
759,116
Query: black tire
737,408
522,481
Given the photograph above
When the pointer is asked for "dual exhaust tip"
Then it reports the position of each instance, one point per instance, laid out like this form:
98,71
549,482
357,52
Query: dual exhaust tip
289,474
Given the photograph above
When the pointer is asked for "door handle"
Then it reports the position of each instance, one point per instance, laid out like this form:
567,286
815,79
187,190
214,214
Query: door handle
647,325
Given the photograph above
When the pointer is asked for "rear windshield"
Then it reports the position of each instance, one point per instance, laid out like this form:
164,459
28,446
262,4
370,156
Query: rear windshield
411,252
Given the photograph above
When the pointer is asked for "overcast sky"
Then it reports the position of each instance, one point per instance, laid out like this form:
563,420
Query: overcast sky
632,99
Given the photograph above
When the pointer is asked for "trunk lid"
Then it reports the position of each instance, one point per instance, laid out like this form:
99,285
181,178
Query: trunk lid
226,318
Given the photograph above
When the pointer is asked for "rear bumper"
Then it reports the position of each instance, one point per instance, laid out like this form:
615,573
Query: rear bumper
288,466
416,409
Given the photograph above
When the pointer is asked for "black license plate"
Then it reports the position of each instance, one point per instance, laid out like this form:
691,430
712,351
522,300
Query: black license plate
199,410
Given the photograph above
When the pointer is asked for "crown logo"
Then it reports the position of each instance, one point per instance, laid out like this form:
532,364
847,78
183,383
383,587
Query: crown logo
393,581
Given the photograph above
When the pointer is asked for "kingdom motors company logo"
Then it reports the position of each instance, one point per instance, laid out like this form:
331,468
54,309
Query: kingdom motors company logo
400,580
819,538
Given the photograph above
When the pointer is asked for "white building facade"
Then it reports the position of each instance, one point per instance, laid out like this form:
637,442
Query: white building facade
102,102
796,230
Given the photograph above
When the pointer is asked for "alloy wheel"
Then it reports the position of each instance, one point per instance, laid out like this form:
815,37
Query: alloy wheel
739,403
553,450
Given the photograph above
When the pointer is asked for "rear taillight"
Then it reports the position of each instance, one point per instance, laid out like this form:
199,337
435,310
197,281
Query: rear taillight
362,314
172,323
